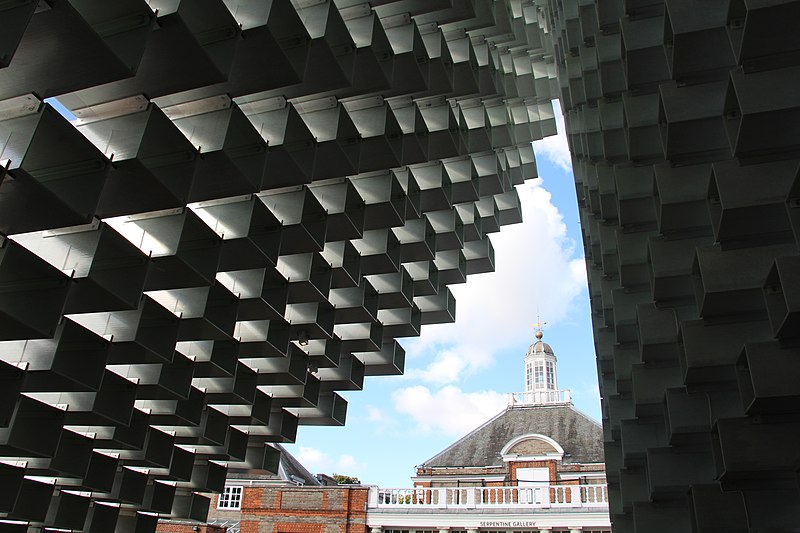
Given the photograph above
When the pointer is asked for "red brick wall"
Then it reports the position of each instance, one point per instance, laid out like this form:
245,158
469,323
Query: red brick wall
304,510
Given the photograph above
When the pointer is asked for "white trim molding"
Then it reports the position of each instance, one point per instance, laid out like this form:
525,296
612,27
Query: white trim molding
559,454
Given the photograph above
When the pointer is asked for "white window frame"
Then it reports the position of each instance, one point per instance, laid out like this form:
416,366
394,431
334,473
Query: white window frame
230,499
550,375
538,374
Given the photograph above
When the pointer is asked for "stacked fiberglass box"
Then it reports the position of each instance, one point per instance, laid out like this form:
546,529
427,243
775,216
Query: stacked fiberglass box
216,214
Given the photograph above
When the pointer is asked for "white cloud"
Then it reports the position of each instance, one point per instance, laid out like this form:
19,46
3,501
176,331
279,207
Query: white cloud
374,414
555,148
311,456
577,269
447,366
347,461
318,461
538,269
449,410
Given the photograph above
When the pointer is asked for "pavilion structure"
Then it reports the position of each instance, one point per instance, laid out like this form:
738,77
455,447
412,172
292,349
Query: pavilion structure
217,214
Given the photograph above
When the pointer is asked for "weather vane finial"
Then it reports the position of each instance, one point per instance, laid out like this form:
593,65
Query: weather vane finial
539,325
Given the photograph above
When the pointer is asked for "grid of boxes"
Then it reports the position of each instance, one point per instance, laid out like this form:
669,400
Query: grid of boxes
216,214
682,119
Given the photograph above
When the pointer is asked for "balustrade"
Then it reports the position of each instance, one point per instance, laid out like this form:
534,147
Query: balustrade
540,397
521,497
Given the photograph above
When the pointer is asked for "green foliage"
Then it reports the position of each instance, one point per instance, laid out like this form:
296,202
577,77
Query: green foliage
341,479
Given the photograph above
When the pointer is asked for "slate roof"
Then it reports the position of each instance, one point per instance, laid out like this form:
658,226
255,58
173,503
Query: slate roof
292,467
289,470
580,436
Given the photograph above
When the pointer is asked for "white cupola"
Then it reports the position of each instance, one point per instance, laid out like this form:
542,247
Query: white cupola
540,367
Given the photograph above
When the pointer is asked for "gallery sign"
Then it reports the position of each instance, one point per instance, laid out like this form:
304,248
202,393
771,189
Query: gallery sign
507,523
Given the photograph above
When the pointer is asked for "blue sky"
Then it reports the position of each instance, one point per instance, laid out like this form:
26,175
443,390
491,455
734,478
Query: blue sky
458,375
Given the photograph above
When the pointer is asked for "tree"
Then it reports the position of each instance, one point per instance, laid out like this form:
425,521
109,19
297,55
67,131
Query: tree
341,479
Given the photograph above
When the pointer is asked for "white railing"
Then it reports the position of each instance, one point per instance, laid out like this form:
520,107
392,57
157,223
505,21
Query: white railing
540,397
525,497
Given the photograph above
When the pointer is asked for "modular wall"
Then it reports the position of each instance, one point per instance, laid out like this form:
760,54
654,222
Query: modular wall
682,119
228,214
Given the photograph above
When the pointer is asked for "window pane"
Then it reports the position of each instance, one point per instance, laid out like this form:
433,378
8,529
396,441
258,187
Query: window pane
231,498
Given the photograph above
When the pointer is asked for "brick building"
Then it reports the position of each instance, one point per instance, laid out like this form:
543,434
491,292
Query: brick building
540,436
291,501
537,466
304,510
255,495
